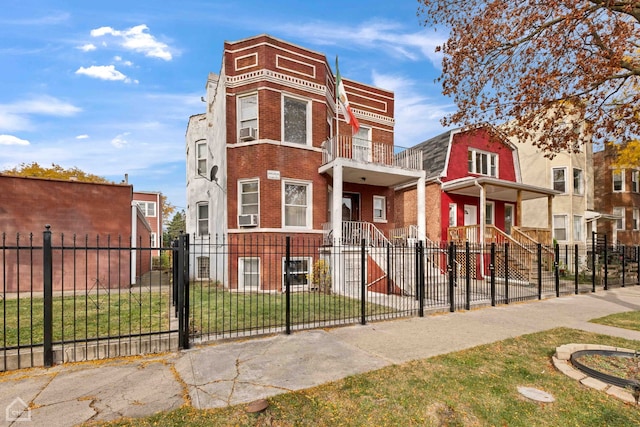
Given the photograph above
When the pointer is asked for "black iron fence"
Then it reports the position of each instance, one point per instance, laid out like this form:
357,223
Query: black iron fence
66,299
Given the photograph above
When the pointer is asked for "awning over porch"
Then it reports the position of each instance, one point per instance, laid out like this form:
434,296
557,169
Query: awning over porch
496,189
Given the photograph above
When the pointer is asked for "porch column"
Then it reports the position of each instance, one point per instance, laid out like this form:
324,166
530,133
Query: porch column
483,213
422,221
550,213
336,205
519,208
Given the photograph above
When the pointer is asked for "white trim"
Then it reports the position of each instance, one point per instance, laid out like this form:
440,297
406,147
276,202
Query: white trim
308,118
277,65
309,205
553,179
306,273
383,218
241,273
622,177
255,54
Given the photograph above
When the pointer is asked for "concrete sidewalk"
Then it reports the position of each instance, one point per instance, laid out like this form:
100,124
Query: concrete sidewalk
243,371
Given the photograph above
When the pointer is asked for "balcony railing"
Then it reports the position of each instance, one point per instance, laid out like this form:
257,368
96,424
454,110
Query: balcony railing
360,150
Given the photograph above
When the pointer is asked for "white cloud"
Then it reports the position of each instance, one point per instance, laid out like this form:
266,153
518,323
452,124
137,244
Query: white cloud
417,116
16,116
104,72
87,47
121,61
83,136
119,141
12,140
379,35
138,40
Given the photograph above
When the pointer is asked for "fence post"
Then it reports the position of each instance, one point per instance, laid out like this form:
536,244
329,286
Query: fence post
575,266
539,251
492,269
388,253
287,285
183,315
637,265
624,264
421,278
363,283
593,261
556,265
186,312
47,263
450,270
467,282
606,264
506,273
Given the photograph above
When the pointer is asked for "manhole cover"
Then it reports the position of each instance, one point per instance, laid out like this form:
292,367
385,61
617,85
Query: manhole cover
535,394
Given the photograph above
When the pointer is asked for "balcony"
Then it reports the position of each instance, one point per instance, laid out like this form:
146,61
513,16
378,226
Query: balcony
369,152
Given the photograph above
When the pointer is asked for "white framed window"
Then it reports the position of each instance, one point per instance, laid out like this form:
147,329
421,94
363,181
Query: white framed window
453,215
153,241
203,267
249,200
635,181
559,177
620,223
201,158
203,219
296,120
299,271
248,111
618,180
296,206
482,162
560,227
147,208
578,226
578,182
249,273
362,144
489,213
636,219
509,209
379,208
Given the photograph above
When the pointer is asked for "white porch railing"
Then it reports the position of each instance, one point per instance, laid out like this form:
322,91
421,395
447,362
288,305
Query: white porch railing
354,231
371,152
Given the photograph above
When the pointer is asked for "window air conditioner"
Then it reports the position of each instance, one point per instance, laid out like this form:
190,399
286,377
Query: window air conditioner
248,134
248,220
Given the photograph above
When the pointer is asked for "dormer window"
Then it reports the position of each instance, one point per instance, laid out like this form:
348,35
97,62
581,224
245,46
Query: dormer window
483,163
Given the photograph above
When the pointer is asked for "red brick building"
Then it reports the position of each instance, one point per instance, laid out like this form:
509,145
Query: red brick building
617,196
84,215
271,156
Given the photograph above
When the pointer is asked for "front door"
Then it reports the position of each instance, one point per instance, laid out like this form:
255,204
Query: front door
350,207
471,218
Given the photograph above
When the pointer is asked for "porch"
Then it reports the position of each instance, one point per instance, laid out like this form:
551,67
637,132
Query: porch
368,163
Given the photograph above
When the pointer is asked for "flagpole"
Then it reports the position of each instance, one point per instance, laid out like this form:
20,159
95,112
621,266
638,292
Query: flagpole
337,105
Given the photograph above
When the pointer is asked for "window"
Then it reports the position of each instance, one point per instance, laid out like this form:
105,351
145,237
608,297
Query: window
560,227
248,111
362,144
152,242
636,219
299,271
488,213
249,273
577,228
203,267
249,197
295,120
203,219
453,215
618,180
297,211
578,182
379,208
635,184
147,208
201,158
508,217
619,211
559,179
483,163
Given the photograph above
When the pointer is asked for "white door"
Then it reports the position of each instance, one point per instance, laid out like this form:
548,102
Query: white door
471,218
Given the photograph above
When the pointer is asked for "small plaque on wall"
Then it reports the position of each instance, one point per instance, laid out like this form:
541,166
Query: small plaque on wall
273,174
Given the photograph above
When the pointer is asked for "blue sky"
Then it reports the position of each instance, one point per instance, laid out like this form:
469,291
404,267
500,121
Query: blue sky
108,87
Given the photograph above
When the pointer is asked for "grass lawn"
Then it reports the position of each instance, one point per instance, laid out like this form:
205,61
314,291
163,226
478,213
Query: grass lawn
475,387
135,311
627,320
